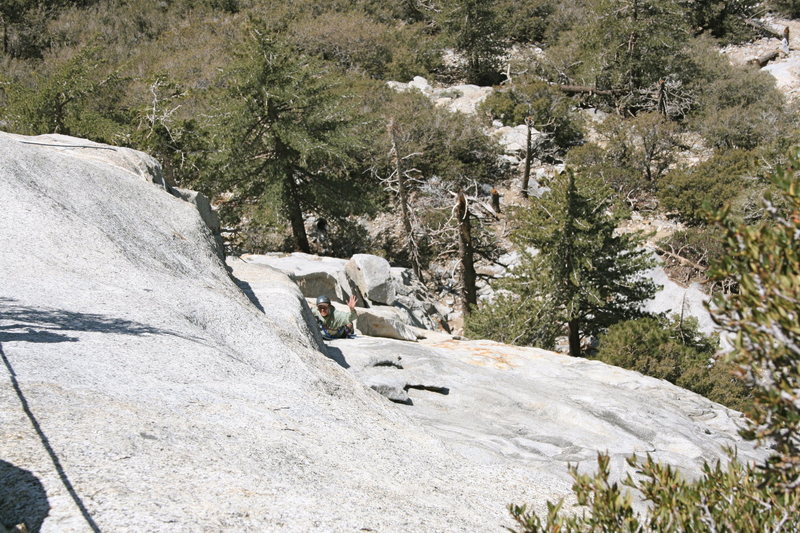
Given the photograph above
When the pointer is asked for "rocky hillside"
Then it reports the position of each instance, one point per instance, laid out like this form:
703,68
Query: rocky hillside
143,390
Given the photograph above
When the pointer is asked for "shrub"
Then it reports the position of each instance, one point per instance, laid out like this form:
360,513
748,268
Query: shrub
545,106
789,8
737,107
524,22
634,155
78,95
512,319
692,192
350,39
689,253
674,350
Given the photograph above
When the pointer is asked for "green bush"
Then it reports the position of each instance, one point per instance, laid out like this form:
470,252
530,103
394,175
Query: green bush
77,95
789,8
701,245
692,192
738,106
631,155
722,19
545,106
674,350
524,22
356,42
512,319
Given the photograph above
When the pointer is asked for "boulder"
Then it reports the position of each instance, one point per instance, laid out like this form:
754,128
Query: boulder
314,275
414,301
384,321
373,276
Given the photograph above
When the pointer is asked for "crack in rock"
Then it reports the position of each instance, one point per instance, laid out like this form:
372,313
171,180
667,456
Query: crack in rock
432,388
389,363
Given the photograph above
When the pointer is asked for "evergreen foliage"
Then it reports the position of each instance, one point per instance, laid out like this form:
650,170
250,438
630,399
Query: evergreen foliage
625,47
722,19
631,156
548,110
740,107
78,96
524,22
764,260
588,275
290,142
763,315
473,29
789,8
673,349
694,191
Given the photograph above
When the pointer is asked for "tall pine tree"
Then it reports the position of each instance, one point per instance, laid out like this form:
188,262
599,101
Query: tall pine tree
584,275
291,140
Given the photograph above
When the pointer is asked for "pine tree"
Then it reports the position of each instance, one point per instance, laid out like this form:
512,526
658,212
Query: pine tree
628,48
586,275
476,34
290,138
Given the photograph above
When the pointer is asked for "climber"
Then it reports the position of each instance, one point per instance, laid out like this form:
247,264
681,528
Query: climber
335,324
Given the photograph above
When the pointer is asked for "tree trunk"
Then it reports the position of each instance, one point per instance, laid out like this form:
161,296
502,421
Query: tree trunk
526,176
574,338
585,89
292,206
764,28
405,211
469,294
762,60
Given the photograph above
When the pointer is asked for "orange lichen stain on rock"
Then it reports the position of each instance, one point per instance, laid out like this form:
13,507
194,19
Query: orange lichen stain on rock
481,355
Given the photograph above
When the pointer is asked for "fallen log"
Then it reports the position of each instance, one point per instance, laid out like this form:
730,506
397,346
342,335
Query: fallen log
585,89
681,259
762,60
765,28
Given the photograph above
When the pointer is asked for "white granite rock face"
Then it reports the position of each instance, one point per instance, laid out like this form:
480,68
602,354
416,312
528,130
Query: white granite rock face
673,299
514,140
500,404
142,390
457,98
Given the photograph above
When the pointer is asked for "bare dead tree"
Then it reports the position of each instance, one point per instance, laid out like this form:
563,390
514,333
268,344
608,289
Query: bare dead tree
398,182
526,175
469,293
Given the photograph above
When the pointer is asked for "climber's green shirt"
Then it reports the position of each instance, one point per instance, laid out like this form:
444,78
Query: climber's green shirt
335,320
